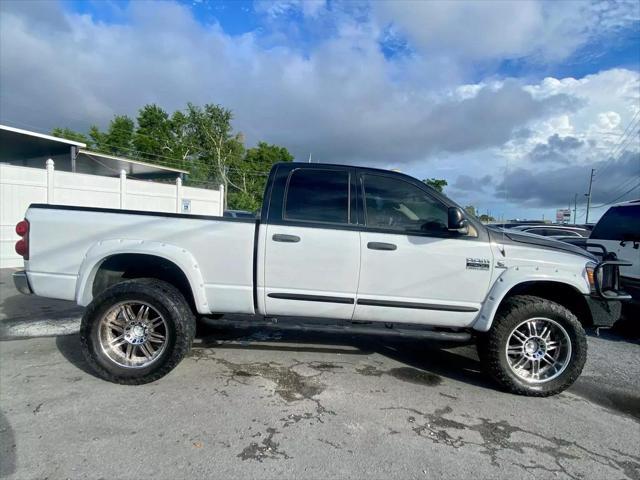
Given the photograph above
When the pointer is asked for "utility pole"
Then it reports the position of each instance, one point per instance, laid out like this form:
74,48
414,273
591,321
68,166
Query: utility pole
588,195
575,209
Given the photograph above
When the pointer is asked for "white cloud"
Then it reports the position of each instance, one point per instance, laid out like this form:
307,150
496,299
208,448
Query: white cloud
608,120
341,100
277,8
496,29
543,170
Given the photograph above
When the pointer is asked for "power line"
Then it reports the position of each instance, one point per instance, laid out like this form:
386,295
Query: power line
170,161
624,184
625,138
617,153
137,134
619,197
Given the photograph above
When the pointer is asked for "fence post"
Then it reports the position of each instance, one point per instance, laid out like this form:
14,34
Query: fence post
123,188
178,195
50,184
223,200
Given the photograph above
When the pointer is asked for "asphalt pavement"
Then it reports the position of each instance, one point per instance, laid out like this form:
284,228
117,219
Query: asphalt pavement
251,403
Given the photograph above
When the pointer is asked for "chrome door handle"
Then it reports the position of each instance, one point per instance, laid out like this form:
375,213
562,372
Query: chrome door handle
280,237
381,246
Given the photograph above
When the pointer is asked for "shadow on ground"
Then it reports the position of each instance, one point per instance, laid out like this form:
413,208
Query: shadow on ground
7,448
31,307
425,362
432,359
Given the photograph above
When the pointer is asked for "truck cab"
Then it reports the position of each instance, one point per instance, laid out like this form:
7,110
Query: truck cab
364,244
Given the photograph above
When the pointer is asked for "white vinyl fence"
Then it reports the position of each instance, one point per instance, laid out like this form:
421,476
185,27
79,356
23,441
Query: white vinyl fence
22,186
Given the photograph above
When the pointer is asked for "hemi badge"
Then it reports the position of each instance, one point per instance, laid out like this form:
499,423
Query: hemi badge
478,264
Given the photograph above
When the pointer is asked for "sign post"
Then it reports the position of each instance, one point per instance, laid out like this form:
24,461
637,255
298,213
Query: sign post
563,215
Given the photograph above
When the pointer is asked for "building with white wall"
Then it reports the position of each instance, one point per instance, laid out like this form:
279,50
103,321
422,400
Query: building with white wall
38,168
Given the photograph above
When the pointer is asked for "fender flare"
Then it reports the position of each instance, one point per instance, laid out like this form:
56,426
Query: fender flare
101,251
516,276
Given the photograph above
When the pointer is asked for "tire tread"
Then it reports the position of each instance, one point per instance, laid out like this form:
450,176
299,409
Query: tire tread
489,345
184,335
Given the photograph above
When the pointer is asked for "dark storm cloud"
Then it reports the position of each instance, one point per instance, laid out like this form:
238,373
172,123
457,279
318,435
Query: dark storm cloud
472,184
553,187
557,149
339,103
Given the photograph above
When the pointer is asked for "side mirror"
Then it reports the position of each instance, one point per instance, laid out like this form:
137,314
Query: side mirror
456,220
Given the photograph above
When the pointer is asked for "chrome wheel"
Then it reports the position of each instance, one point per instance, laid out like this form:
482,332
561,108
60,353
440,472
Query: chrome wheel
133,334
538,350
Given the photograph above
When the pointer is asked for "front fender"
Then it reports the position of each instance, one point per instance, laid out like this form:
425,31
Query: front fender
515,276
102,250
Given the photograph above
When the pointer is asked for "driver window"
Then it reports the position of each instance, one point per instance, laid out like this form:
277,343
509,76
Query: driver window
395,204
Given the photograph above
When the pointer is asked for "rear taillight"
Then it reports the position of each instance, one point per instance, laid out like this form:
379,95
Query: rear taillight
22,245
22,228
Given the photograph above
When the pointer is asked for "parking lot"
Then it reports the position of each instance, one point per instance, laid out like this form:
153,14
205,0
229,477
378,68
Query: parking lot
259,403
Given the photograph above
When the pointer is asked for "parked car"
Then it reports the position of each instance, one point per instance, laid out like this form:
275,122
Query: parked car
374,250
238,214
618,231
554,230
516,224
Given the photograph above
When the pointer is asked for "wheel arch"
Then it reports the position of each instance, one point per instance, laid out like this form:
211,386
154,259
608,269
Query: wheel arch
565,293
111,262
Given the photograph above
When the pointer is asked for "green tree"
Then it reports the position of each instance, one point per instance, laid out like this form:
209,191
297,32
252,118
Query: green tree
485,218
216,151
470,209
119,137
71,135
199,139
153,138
98,139
436,183
182,147
250,177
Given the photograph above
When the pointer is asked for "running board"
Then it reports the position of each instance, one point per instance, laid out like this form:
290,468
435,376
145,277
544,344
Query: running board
355,328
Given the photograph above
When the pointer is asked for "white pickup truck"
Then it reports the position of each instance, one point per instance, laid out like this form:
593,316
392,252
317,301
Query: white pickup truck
365,249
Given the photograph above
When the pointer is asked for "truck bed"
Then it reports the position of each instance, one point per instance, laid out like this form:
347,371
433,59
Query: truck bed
65,240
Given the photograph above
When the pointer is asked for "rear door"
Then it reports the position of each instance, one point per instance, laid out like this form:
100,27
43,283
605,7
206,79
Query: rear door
413,269
312,243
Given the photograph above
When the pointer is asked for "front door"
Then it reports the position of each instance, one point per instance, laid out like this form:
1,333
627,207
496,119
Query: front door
312,253
414,270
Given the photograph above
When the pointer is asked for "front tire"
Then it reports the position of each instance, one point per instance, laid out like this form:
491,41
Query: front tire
535,347
137,331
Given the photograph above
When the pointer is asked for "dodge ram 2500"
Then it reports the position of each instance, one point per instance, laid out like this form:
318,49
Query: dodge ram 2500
359,247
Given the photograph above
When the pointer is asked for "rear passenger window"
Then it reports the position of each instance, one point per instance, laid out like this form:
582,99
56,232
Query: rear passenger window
315,195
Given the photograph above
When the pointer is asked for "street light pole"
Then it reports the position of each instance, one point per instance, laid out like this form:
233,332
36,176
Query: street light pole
575,209
588,195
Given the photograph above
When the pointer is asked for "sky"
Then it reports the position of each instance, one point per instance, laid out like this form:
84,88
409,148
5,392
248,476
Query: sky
513,103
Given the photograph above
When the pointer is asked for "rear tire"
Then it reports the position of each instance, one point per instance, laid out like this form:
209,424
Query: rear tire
530,332
137,331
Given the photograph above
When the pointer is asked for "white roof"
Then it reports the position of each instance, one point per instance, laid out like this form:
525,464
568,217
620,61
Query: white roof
119,160
42,135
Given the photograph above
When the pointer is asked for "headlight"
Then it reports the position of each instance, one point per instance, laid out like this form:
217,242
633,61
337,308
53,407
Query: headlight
590,275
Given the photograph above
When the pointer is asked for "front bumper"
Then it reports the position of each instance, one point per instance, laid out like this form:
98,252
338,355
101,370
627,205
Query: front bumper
607,280
605,301
21,281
